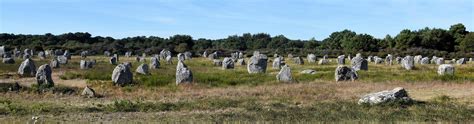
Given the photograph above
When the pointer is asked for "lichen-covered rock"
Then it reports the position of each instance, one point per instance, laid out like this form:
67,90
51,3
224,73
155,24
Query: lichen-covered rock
187,55
183,74
446,69
43,76
212,56
344,73
308,71
122,75
41,55
142,69
359,63
285,74
341,60
417,59
277,63
227,63
378,60
298,60
169,60
425,60
396,95
257,64
408,62
8,60
27,68
311,58
88,92
67,54
155,63
434,59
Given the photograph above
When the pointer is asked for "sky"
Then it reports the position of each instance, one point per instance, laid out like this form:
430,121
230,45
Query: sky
214,19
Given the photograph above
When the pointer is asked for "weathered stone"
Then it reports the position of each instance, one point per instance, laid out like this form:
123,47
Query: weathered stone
67,54
425,60
285,74
142,69
341,60
54,63
434,59
370,59
84,64
8,60
165,53
298,60
417,59
311,58
113,60
241,55
128,64
43,76
439,61
2,50
359,63
241,62
217,62
227,63
155,63
183,74
128,54
325,56
396,95
122,75
445,69
169,60
84,54
88,92
205,54
27,68
277,63
378,60
308,71
212,56
389,59
257,64
181,57
41,55
107,53
62,59
408,62
399,60
461,61
323,61
344,73
26,56
188,55
117,59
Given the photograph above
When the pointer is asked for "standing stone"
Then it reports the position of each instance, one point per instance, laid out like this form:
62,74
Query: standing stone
399,60
323,61
183,74
181,57
128,54
88,92
434,59
116,57
84,64
142,69
290,55
217,62
389,59
155,63
122,75
241,55
41,55
298,60
359,63
344,73
205,54
212,56
378,60
325,56
446,69
241,62
2,50
471,60
227,63
26,56
417,59
8,61
27,68
169,59
43,76
113,60
257,64
285,74
311,58
439,61
84,54
341,60
188,55
425,60
398,95
370,59
62,59
408,62
277,63
54,63
67,54
461,61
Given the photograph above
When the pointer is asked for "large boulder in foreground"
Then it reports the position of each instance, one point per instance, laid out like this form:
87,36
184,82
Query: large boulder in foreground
446,69
359,63
285,74
43,76
183,74
396,95
122,75
27,68
344,73
257,64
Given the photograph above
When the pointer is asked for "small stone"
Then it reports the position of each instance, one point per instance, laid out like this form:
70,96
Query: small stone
446,69
397,94
142,69
88,92
308,71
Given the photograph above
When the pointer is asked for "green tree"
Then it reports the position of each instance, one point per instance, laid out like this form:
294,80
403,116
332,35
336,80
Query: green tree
467,44
406,39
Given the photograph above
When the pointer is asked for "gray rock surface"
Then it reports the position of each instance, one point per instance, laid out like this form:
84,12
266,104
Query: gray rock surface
344,73
408,62
308,71
257,64
227,63
397,94
154,63
27,68
341,60
445,69
285,74
43,76
359,63
183,74
88,92
425,60
122,75
311,58
8,61
277,63
143,69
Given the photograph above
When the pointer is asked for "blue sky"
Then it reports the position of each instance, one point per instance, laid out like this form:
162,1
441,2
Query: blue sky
296,19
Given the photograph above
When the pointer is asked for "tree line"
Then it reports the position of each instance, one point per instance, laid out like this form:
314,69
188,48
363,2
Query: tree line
454,42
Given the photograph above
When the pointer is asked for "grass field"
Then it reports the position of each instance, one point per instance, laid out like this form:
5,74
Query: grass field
219,95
